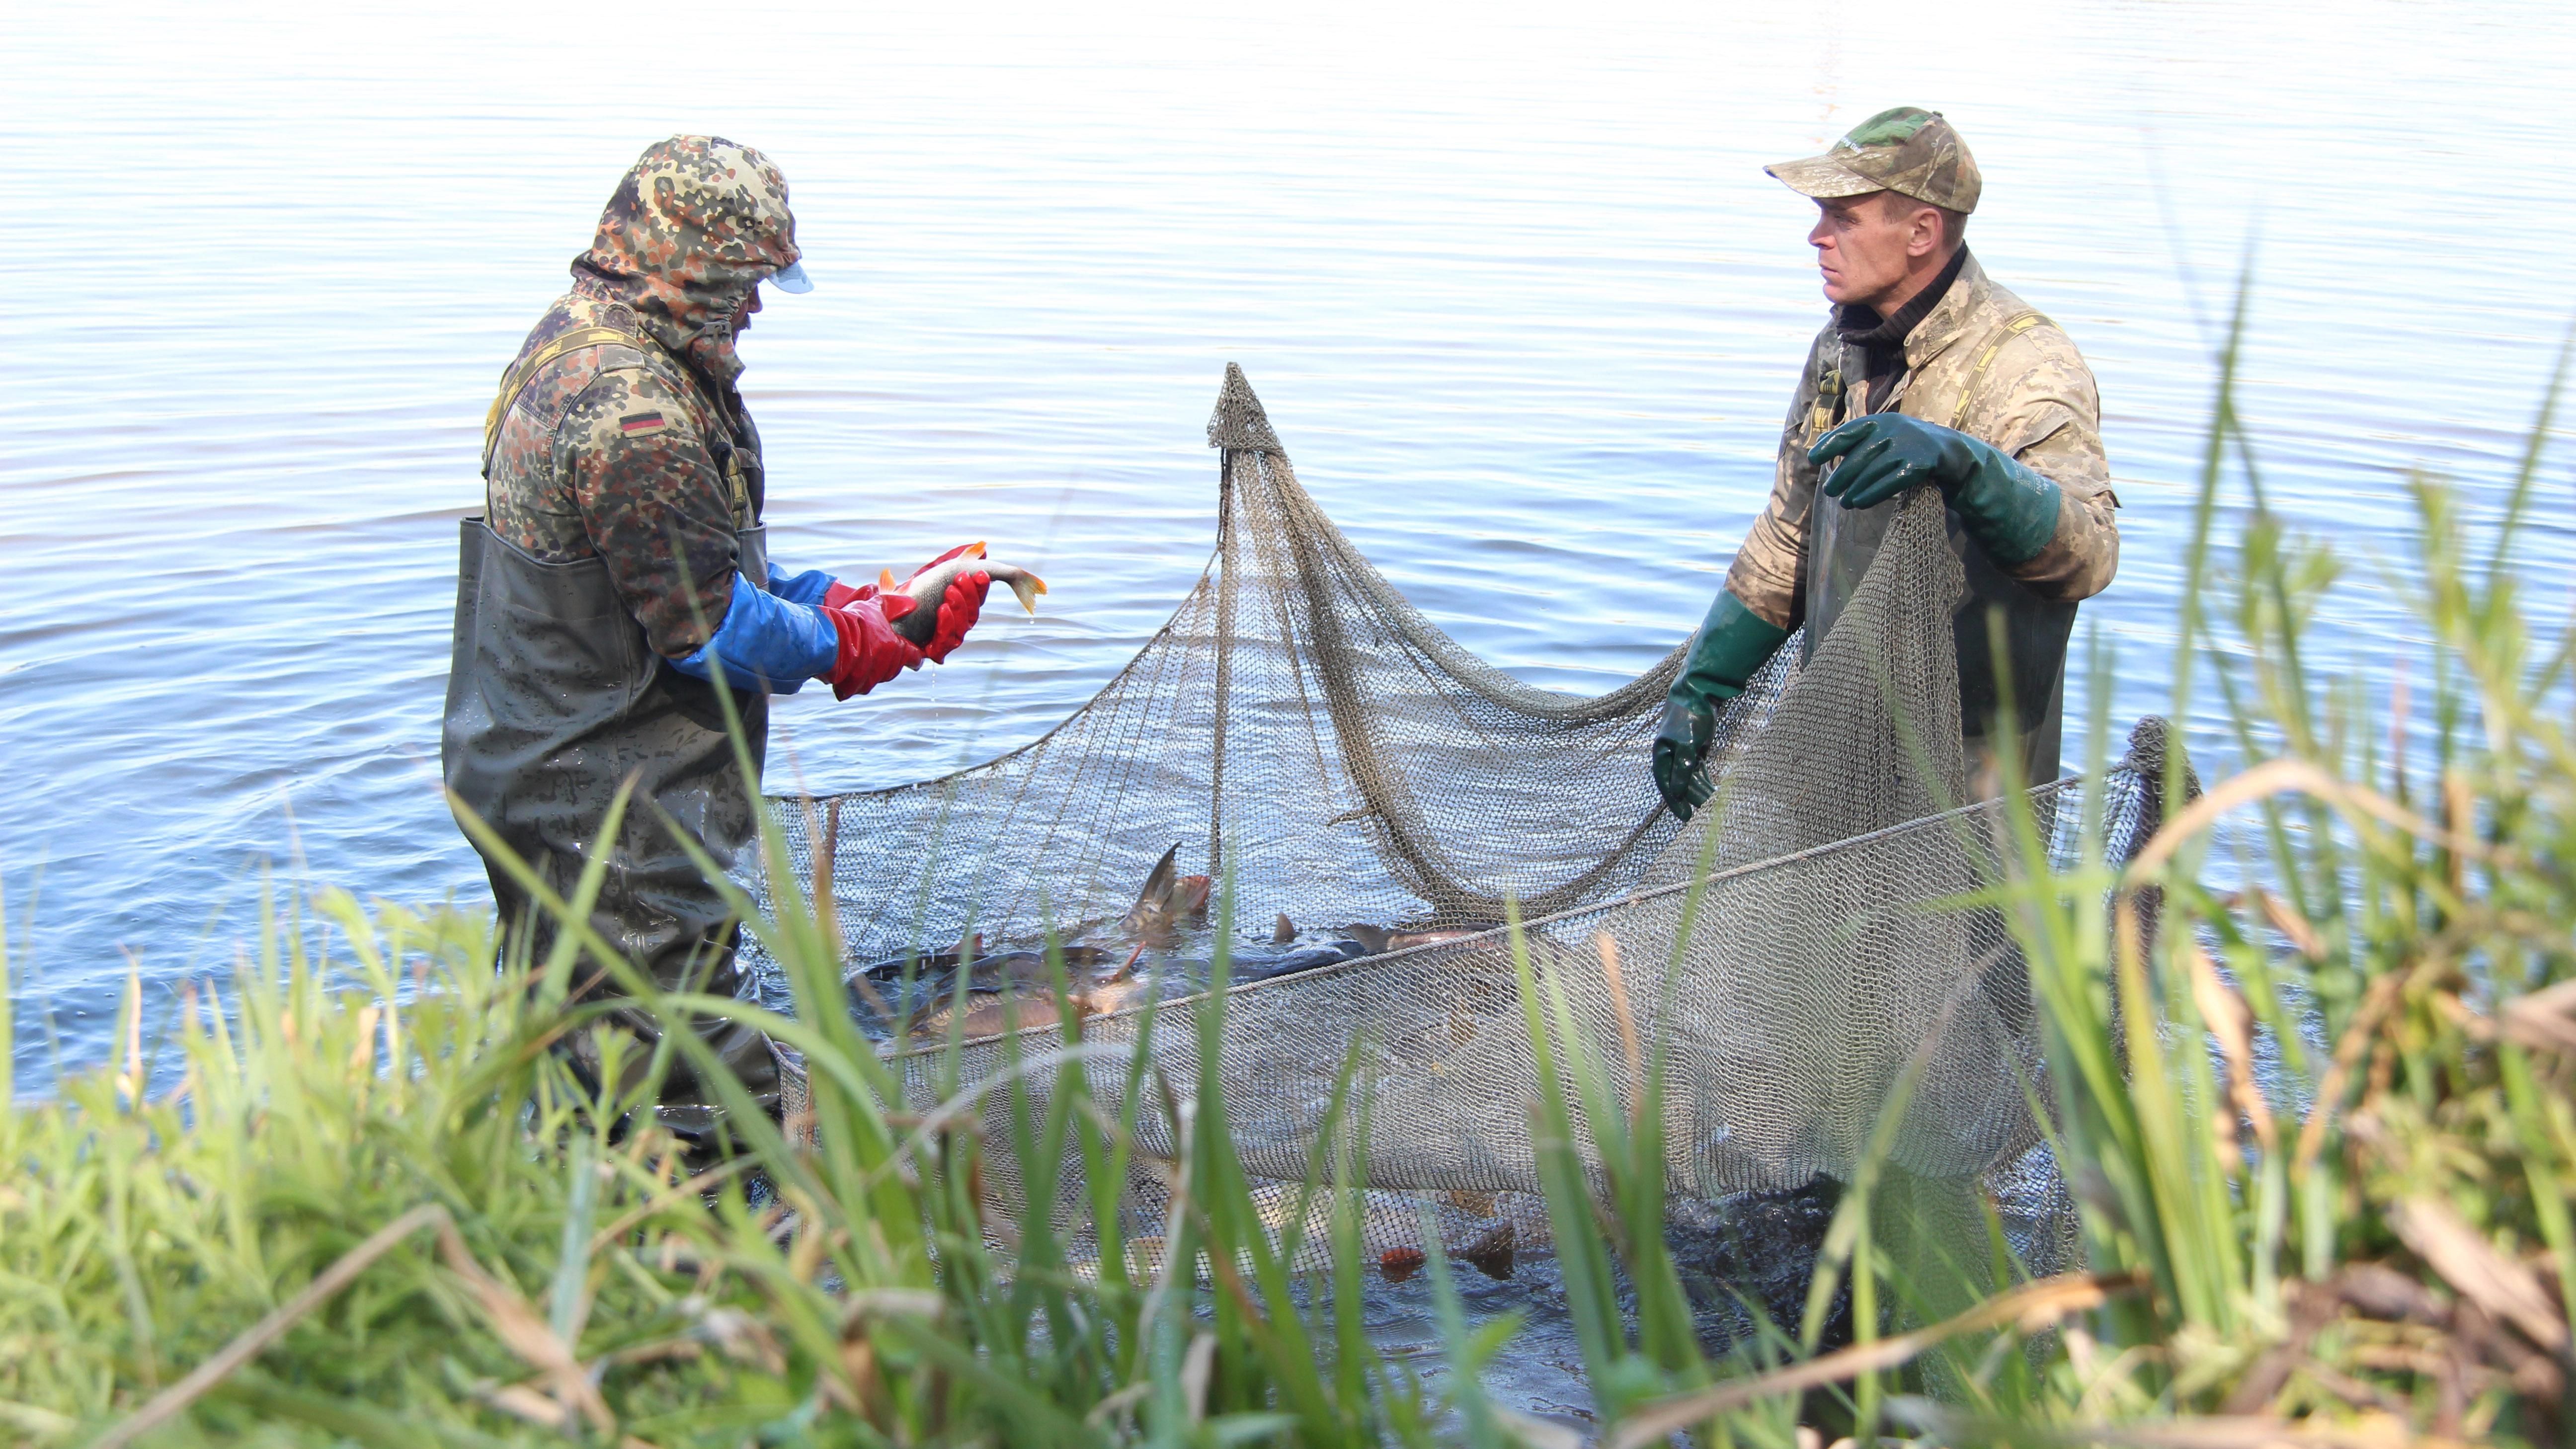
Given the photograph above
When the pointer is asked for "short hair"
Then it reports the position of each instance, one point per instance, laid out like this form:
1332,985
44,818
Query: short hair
1896,205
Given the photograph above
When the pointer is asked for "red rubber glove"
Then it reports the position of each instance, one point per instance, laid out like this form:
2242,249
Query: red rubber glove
958,610
871,651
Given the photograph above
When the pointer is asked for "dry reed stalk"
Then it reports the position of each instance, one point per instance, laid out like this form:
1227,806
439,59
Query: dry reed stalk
527,1333
1608,945
2231,1021
2357,1038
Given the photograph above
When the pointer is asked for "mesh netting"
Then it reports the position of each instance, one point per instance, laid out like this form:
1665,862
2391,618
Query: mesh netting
1305,736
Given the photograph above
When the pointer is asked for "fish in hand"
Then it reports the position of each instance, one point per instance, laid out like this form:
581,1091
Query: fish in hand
929,586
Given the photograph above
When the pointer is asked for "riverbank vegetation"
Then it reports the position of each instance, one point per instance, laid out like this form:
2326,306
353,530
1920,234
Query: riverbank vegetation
2317,1124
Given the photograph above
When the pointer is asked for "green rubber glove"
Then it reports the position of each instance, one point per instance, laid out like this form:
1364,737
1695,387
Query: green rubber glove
1731,643
2009,510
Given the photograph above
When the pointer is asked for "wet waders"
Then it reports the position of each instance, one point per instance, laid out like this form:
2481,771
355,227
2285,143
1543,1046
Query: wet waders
554,700
1842,541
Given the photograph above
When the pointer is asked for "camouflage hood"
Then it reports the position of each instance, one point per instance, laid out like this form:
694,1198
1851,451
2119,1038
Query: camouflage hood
697,222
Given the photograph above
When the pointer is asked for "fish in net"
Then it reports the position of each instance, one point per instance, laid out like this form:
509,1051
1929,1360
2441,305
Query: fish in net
1330,756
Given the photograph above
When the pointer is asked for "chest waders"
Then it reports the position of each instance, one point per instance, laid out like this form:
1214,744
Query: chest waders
1842,541
554,700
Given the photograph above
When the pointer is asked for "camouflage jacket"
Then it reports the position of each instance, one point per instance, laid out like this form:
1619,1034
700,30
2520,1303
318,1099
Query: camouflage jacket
1980,361
639,451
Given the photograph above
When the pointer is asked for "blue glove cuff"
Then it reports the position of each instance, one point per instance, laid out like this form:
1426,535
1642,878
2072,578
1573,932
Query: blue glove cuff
805,588
768,643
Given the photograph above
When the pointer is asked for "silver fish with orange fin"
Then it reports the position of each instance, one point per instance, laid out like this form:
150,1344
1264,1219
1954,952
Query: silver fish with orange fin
928,587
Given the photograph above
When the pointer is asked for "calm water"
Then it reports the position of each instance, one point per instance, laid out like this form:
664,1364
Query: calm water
1518,297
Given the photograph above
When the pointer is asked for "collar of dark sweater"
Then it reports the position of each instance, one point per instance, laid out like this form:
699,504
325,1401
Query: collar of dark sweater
1884,337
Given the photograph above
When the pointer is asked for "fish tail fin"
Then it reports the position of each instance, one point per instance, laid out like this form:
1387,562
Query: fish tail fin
1028,586
1160,880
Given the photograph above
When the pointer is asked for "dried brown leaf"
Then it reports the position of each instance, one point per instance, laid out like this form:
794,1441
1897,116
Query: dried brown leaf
2231,1021
519,1325
528,1404
2476,1271
2544,1020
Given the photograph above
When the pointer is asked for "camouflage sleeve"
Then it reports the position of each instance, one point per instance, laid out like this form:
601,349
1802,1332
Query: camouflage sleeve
1769,572
2041,407
655,507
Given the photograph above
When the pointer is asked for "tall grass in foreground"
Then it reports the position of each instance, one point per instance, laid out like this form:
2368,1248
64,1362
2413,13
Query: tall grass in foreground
377,1209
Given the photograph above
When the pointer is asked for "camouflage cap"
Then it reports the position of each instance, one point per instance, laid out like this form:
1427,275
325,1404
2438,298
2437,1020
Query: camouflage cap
1908,150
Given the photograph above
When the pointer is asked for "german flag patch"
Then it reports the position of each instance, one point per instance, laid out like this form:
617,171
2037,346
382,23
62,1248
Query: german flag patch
636,425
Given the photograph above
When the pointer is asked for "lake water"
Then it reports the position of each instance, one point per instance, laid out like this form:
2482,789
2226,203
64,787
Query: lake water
1509,278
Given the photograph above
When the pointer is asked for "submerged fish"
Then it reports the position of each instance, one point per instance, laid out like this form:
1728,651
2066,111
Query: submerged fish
1000,1013
1305,958
1020,1005
988,972
916,995
1381,939
929,586
1115,995
1373,937
1404,940
1356,940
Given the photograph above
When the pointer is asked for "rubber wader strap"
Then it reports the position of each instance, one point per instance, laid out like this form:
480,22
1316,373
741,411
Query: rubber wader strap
2012,328
1829,397
741,491
516,380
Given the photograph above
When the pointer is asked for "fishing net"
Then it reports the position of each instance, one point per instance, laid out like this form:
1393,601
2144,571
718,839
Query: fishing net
1309,739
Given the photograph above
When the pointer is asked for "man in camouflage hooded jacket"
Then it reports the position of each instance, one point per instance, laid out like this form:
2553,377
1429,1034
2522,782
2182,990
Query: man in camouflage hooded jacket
1927,373
620,580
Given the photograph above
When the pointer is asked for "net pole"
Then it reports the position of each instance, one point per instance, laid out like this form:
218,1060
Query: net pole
1225,589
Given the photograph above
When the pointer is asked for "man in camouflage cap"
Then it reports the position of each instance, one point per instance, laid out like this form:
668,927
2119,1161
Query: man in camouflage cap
1927,372
620,576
